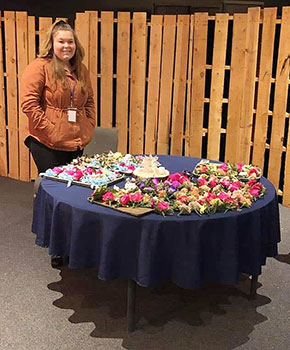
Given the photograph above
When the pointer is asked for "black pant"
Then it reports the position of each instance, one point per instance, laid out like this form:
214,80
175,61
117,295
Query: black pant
46,157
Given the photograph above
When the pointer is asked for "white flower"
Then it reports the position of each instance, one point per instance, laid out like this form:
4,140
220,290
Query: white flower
129,186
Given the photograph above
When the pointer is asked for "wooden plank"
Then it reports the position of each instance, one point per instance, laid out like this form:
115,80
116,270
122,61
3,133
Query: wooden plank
189,86
264,86
31,57
179,88
246,121
43,25
107,69
195,124
123,54
65,19
153,84
138,72
93,52
286,185
237,75
22,61
280,102
166,83
3,137
12,112
82,30
217,85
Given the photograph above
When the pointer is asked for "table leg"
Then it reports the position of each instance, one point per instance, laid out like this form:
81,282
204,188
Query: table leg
253,290
131,299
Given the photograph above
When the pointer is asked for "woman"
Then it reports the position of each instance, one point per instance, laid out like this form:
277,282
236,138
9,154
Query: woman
57,97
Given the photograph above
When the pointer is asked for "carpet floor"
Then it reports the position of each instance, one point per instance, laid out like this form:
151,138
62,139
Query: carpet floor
63,309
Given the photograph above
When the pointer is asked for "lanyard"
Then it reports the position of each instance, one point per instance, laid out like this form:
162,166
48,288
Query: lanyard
72,96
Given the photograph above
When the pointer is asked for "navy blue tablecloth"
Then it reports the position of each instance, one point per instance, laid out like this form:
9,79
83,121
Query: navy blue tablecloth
187,250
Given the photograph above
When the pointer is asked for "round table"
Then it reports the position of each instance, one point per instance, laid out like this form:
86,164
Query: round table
186,250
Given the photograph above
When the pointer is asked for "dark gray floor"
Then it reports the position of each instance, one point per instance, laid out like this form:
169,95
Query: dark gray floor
60,309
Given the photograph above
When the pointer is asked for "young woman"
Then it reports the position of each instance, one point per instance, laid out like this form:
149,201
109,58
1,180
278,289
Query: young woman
57,97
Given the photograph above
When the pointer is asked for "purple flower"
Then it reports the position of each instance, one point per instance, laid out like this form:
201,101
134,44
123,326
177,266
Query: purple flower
155,181
171,189
175,184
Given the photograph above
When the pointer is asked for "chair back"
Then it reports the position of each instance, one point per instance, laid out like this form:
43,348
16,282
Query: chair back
104,139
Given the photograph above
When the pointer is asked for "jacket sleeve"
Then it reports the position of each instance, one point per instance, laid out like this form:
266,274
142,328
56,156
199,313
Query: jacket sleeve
90,104
32,85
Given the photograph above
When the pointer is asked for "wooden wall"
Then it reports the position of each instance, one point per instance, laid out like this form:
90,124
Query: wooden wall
194,85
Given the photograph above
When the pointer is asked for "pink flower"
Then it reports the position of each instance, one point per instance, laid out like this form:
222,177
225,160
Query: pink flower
212,183
224,167
99,172
174,177
124,200
225,182
136,197
252,182
89,171
78,175
239,166
163,206
201,181
70,172
233,187
253,170
204,169
108,196
131,167
210,196
223,196
183,178
57,170
254,192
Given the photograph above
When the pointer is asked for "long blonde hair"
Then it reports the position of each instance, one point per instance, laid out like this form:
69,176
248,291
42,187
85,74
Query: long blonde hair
46,51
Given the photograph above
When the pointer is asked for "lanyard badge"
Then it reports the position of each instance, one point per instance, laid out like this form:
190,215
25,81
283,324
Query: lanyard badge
71,111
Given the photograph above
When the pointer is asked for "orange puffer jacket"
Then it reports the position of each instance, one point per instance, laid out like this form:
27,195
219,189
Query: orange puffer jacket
46,108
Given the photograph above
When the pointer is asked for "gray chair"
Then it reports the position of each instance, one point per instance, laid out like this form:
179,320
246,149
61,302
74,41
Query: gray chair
104,139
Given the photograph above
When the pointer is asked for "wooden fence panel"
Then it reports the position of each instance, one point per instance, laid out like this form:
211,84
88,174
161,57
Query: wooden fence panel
280,101
188,87
107,69
195,124
3,137
10,41
153,84
138,76
82,29
43,25
93,52
179,87
122,95
246,121
237,73
31,57
217,86
286,185
22,61
264,86
168,46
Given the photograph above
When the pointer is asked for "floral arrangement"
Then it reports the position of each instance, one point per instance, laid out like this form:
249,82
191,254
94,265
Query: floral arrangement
112,160
236,171
83,174
209,194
